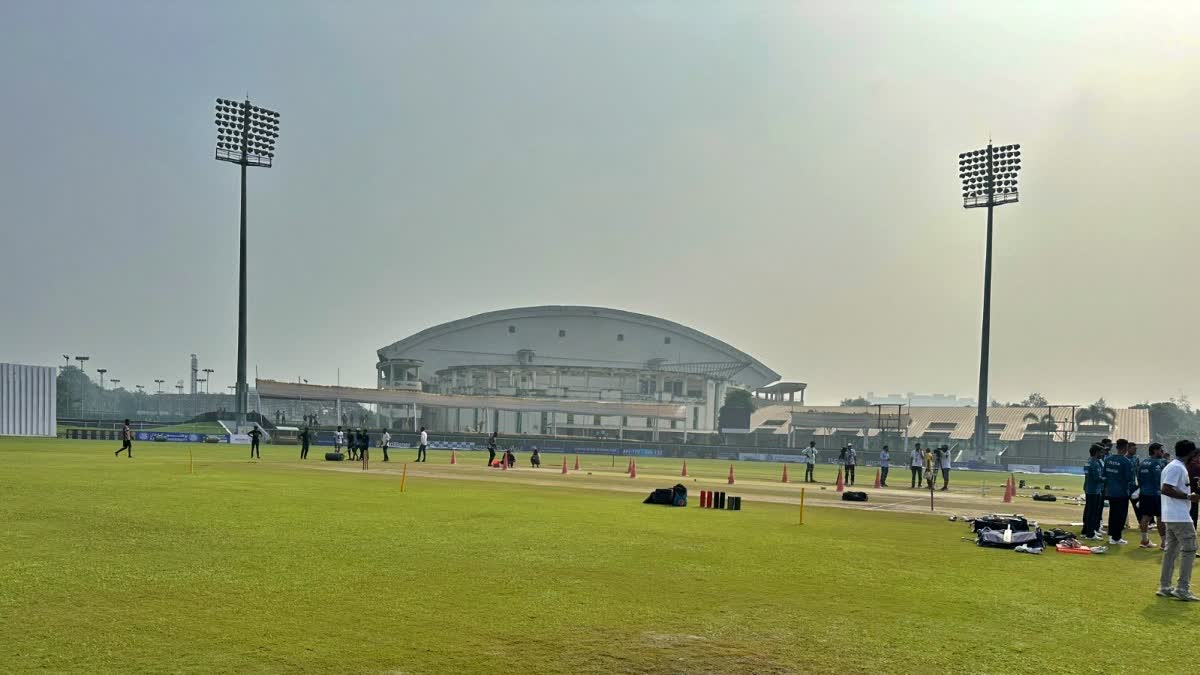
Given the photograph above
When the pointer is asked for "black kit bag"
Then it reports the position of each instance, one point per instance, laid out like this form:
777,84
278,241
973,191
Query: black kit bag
1000,523
679,495
995,539
854,496
664,496
1045,498
1052,537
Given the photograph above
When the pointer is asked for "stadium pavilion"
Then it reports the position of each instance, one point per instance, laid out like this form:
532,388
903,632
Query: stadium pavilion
543,356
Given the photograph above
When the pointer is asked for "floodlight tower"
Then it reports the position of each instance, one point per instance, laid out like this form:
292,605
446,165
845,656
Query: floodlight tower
82,383
245,136
989,179
207,378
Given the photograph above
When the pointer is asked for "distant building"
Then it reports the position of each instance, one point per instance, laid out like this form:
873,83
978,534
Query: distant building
28,400
920,400
1032,435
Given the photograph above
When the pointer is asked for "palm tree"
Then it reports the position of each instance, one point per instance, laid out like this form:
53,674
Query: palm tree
1098,414
1045,424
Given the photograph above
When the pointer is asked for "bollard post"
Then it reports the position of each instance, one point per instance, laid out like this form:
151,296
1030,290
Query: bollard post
801,506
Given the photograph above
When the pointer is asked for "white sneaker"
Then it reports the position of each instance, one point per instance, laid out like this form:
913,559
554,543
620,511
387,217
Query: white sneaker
1186,596
1116,542
1166,593
1094,537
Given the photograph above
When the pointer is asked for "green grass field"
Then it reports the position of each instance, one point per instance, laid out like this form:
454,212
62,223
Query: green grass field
136,565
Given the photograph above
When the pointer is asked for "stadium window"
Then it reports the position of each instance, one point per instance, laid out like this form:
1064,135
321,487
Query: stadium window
512,329
596,420
695,418
570,418
562,333
620,337
666,341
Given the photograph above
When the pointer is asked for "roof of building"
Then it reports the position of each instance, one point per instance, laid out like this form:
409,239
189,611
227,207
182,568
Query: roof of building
759,372
782,388
959,423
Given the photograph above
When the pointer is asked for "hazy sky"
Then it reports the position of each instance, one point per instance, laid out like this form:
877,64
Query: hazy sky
780,175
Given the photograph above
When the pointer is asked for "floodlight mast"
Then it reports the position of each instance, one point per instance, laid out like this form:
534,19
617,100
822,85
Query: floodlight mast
245,136
989,178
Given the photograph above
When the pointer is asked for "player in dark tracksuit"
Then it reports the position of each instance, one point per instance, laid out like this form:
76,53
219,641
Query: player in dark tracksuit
255,435
1093,488
1149,475
1118,476
304,438
491,447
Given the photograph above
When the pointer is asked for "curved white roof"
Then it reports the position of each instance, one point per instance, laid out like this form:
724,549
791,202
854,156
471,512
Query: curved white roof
578,336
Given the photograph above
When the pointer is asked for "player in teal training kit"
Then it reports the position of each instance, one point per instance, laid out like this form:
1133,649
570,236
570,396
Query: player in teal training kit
1149,486
1093,489
1118,476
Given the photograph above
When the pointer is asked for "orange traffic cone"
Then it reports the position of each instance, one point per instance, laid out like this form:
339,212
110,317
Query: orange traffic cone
731,474
629,467
785,478
564,465
684,472
877,479
632,469
504,462
576,462
841,482
1008,492
453,459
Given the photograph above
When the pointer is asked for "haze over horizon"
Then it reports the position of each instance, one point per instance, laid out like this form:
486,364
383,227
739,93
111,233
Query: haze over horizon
781,176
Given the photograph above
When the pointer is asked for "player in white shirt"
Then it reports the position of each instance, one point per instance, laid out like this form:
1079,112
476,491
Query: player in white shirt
885,459
947,463
810,461
1177,499
916,462
384,441
422,446
339,437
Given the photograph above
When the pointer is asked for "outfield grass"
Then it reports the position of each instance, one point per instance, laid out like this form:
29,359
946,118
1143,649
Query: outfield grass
136,565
